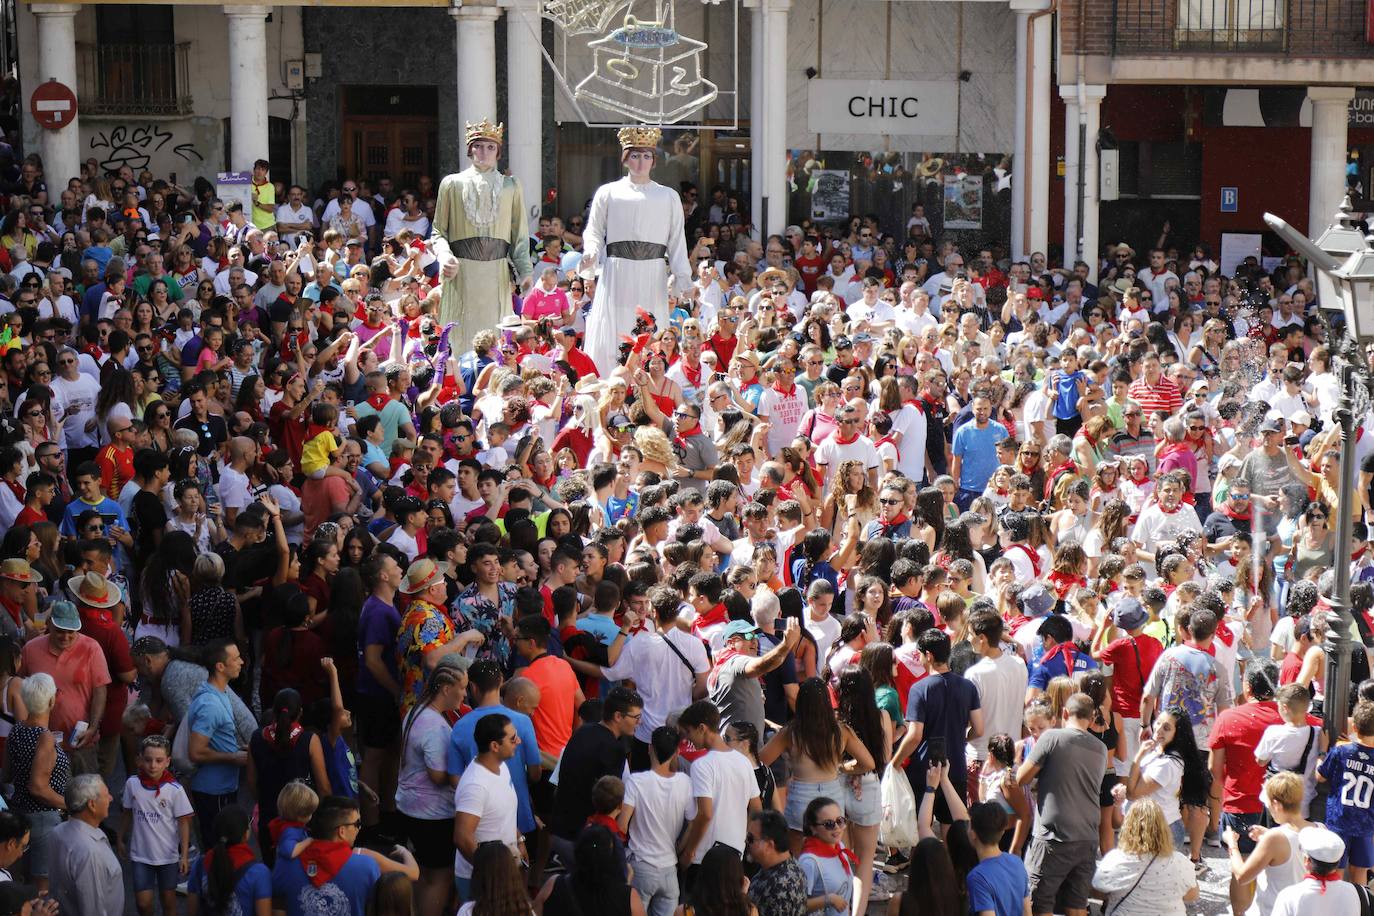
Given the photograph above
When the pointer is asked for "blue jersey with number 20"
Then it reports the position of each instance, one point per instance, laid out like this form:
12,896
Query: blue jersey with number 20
1349,768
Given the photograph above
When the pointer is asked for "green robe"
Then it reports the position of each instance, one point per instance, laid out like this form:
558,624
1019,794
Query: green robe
480,296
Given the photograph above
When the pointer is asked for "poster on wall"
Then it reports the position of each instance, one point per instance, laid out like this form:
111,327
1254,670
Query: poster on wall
1236,247
963,202
235,186
829,194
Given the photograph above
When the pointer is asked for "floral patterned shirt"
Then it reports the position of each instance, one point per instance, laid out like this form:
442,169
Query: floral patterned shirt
780,890
472,610
424,628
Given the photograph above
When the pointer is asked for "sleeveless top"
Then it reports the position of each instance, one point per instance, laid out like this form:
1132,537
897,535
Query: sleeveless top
7,720
990,787
1275,878
22,747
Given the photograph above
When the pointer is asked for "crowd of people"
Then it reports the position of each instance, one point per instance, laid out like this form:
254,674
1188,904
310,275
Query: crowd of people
885,569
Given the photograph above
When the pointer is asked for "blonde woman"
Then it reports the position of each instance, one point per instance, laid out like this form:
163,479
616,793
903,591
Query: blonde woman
1144,875
658,453
1276,860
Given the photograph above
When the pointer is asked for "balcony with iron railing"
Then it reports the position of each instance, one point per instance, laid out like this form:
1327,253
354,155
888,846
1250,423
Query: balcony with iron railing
1288,28
134,79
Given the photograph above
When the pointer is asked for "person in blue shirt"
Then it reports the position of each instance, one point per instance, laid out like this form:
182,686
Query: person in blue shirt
1061,657
1349,769
601,621
485,682
975,452
329,877
89,496
998,884
228,877
213,744
1069,384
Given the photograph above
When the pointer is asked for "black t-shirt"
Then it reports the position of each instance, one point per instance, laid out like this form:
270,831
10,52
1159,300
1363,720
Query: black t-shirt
148,517
212,432
1220,525
591,753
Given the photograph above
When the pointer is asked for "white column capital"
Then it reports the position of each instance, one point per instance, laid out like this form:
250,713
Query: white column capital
1029,6
254,11
1092,93
480,11
529,5
54,9
1335,94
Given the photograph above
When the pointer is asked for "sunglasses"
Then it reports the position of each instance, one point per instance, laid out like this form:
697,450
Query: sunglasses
890,502
833,824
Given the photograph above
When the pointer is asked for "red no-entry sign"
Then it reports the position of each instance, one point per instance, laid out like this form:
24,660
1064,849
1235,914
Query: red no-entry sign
53,105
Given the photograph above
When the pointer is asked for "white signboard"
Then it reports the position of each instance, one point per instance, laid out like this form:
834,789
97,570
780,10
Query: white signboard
1235,248
235,186
925,107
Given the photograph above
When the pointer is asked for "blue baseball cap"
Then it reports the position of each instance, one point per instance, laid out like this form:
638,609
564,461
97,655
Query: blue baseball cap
1035,601
744,628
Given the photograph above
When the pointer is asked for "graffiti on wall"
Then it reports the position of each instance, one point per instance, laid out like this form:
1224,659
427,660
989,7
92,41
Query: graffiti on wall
136,146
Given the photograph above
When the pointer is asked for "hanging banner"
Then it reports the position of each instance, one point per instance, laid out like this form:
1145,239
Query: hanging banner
963,202
829,195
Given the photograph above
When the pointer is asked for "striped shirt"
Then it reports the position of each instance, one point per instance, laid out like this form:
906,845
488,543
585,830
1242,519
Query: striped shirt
1163,396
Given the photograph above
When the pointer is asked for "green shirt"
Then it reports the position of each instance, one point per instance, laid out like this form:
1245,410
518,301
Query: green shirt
143,281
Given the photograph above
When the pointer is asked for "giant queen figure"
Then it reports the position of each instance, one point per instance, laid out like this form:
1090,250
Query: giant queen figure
480,238
634,233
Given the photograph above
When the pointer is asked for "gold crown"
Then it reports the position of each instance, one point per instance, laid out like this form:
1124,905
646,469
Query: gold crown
485,130
641,137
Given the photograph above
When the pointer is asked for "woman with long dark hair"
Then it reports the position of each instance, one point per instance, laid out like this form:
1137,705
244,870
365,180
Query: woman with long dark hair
498,888
1168,771
424,795
291,653
958,544
596,886
719,886
816,743
212,885
166,587
280,752
863,807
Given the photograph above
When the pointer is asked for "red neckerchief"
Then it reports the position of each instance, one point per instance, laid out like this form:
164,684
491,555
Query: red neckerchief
323,859
712,617
1031,555
16,611
155,785
1065,649
1225,635
1064,582
895,448
822,850
1017,622
1233,514
605,820
1068,467
379,400
1170,448
314,429
15,488
725,655
840,440
788,393
1160,506
239,856
269,732
280,825
681,439
889,527
693,376
914,402
1322,880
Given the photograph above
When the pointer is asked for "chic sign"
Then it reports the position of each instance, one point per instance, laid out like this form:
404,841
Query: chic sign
925,107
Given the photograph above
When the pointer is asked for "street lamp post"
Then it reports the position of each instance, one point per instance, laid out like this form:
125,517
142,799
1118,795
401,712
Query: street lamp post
1344,261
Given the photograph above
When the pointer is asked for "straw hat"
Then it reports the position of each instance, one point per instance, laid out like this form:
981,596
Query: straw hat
18,570
421,575
94,590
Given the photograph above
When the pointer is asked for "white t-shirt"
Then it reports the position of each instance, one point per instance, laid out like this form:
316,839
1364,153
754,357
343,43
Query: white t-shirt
825,632
404,542
726,778
396,221
1282,745
235,492
156,837
81,394
1001,684
662,805
490,796
658,673
830,454
1165,771
1309,897
910,421
62,308
363,212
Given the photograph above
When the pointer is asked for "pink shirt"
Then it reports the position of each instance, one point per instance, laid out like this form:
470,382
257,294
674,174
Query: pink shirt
77,672
540,304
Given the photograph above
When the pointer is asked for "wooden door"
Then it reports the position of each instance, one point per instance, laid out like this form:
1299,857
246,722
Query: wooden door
401,148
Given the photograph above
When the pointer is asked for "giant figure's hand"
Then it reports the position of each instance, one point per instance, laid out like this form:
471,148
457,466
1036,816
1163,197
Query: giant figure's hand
449,267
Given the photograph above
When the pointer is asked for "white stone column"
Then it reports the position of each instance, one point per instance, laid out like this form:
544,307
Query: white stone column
247,85
57,61
775,114
1080,242
476,65
1030,187
1326,186
525,102
756,117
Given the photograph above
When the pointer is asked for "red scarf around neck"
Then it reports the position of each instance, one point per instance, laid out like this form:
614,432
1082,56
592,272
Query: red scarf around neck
1064,582
155,785
240,855
715,615
895,447
1066,650
840,440
323,859
280,825
1323,880
824,850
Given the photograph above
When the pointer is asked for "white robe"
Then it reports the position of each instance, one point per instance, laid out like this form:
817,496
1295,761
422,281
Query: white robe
623,211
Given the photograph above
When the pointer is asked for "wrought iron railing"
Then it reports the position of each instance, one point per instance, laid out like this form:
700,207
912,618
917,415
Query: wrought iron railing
1294,28
151,79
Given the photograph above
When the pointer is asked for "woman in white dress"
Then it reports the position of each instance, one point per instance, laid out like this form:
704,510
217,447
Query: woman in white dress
635,235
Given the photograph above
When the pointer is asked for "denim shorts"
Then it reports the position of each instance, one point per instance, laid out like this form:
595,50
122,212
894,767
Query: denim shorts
864,809
800,794
156,877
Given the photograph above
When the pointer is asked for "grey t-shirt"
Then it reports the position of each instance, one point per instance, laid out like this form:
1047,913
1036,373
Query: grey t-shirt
1072,763
1266,475
180,682
738,696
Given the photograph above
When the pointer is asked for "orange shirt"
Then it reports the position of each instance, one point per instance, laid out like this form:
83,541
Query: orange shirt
553,717
78,671
116,469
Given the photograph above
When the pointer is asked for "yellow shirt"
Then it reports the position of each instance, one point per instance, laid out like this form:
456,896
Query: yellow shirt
264,214
316,451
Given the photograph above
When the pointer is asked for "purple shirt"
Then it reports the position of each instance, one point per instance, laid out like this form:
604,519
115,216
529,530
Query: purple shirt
378,624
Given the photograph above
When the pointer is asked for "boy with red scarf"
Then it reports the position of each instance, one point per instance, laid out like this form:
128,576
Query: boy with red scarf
1061,658
156,826
329,869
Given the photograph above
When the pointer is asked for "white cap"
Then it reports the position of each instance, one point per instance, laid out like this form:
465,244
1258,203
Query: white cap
1321,844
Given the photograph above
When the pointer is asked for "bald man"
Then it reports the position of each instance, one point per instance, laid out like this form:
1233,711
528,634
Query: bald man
235,490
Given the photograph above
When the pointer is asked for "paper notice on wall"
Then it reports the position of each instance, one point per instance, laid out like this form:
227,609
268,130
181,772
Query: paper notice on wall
830,195
235,186
1235,248
963,202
